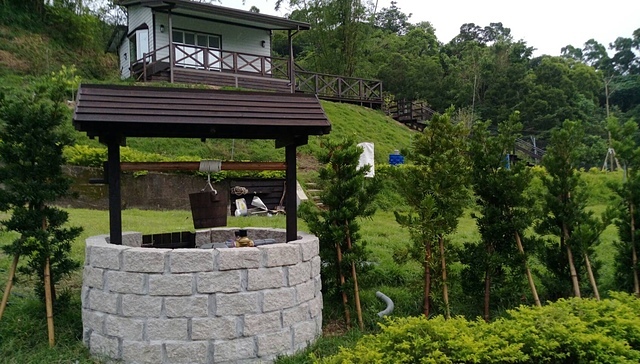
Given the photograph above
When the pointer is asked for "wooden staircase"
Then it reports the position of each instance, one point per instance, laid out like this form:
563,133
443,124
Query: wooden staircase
416,114
413,114
314,194
529,150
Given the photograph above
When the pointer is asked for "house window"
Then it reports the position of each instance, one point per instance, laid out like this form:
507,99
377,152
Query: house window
197,50
196,39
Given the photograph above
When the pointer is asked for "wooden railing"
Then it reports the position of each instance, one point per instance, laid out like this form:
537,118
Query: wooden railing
212,59
338,87
529,149
209,59
326,86
149,64
413,113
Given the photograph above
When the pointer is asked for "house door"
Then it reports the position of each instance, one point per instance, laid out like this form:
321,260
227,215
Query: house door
142,43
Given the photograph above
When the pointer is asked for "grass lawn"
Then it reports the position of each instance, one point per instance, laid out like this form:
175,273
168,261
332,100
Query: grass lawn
23,334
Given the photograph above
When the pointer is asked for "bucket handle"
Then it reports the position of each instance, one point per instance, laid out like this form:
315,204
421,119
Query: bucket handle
209,185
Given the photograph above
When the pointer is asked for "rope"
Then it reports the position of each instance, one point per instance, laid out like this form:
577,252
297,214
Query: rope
209,184
239,190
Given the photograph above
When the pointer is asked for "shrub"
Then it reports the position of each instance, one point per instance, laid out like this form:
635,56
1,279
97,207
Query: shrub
568,331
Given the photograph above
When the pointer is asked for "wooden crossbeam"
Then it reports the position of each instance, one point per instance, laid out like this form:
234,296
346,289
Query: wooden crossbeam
194,166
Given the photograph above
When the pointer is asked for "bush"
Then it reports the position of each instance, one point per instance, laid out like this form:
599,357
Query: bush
568,331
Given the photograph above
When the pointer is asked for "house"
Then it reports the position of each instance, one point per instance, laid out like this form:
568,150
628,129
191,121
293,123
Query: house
190,42
184,41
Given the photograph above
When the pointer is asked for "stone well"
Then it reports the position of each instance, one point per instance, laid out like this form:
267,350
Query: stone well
229,305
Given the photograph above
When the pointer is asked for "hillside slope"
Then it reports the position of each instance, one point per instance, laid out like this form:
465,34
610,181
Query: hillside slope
35,45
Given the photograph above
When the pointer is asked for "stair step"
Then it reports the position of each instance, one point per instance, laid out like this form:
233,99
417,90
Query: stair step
314,191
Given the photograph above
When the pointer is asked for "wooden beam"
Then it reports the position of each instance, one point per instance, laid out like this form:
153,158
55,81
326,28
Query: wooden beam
171,50
294,141
115,201
291,204
195,166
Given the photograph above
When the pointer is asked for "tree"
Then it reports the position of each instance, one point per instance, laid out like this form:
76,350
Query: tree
437,182
393,20
346,197
31,142
624,141
336,37
564,204
505,213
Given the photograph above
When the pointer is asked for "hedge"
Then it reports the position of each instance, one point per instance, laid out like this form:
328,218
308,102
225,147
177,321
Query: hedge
567,331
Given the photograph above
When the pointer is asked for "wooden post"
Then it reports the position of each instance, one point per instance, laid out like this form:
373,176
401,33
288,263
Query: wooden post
292,72
532,284
49,302
345,300
115,203
354,276
445,288
592,279
172,56
7,290
290,191
634,254
427,279
572,267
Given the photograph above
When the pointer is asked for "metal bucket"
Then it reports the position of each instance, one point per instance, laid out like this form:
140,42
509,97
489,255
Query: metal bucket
209,209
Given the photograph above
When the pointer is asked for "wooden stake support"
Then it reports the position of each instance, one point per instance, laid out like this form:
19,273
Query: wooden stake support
49,302
356,290
532,285
7,290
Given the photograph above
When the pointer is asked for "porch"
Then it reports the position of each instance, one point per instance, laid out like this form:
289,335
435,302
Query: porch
178,63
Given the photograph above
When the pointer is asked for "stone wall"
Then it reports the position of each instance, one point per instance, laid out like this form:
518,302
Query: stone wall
234,305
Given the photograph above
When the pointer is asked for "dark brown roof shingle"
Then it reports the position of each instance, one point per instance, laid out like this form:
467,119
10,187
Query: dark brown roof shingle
137,111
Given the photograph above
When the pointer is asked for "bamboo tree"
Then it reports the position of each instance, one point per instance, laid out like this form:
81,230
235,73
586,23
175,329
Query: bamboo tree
436,194
346,197
505,210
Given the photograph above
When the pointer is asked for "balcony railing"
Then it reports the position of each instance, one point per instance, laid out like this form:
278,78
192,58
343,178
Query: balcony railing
339,87
210,59
326,86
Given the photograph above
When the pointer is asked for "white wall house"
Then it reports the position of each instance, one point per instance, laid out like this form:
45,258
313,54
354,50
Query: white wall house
203,36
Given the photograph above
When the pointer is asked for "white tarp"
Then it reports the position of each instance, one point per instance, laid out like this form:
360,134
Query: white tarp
367,158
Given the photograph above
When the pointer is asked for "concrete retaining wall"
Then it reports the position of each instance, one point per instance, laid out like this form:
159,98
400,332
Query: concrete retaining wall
234,305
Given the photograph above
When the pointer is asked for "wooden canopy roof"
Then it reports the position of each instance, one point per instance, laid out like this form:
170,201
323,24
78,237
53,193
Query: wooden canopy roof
114,113
135,111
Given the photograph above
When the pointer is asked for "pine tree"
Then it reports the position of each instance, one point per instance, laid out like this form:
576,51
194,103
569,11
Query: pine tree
565,213
31,143
499,263
436,193
346,197
625,136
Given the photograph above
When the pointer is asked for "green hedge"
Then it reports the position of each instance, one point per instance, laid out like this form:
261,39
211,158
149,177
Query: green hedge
568,331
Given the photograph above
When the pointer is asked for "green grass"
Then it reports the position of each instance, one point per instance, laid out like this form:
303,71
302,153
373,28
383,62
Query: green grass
23,329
